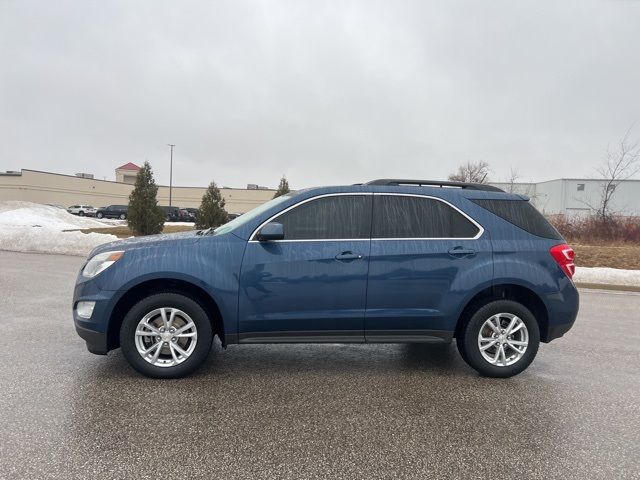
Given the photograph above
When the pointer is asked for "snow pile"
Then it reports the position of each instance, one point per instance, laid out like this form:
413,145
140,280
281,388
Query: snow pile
27,214
607,276
31,227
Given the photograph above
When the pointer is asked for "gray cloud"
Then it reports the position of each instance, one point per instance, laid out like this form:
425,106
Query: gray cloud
324,92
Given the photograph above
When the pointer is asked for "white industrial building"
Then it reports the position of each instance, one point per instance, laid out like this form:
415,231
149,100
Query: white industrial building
576,196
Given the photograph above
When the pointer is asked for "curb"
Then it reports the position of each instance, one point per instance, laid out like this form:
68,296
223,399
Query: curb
603,286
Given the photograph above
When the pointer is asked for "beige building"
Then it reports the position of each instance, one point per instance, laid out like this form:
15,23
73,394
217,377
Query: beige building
54,188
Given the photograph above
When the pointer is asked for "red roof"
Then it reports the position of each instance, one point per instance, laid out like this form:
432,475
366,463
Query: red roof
129,166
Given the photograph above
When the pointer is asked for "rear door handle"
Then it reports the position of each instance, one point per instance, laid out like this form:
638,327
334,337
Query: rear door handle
460,252
348,257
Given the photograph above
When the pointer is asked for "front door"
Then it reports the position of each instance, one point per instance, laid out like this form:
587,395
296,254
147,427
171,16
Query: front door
310,286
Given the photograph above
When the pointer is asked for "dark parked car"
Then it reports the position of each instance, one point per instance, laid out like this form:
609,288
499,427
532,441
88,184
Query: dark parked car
113,211
171,214
191,212
391,261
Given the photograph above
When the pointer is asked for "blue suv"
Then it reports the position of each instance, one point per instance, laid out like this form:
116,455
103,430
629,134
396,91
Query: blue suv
390,261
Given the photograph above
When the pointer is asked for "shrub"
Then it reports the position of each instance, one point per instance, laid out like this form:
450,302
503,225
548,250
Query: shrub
595,230
211,213
283,188
144,216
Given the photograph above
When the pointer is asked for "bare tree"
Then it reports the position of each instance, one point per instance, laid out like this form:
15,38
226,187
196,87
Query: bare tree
621,162
512,180
472,172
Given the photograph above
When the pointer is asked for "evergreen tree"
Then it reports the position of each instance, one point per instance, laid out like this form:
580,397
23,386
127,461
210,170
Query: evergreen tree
211,212
144,216
283,188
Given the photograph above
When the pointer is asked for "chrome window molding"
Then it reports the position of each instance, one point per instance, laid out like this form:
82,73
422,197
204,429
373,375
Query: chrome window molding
275,216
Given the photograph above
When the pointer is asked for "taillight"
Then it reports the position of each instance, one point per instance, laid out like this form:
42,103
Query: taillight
564,255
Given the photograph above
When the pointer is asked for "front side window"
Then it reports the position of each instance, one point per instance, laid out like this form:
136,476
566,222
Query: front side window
398,216
325,218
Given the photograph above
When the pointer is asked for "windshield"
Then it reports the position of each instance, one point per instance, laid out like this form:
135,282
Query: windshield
251,214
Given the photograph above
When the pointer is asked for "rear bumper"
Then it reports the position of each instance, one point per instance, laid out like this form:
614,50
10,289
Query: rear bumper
562,309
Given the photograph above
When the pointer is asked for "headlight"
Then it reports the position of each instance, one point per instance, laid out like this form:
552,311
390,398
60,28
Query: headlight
100,262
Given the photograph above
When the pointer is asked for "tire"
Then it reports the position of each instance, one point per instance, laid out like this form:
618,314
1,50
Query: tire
164,365
99,215
511,361
81,213
123,216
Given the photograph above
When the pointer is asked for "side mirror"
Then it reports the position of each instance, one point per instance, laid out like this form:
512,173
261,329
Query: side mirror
271,231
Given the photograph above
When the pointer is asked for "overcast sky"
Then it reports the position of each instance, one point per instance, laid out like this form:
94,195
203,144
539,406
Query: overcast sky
323,92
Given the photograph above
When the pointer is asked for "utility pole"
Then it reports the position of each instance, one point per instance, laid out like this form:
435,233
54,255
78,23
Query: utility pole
170,172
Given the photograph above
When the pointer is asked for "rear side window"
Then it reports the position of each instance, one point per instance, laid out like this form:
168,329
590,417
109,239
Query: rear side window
397,216
326,218
521,214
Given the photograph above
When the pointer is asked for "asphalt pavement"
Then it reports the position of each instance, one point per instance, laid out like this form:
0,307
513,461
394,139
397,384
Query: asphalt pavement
311,411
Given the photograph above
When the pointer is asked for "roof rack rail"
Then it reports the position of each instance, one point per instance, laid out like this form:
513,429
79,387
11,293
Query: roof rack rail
434,183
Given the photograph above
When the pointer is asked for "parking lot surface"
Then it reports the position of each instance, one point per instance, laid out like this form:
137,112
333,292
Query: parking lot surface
311,411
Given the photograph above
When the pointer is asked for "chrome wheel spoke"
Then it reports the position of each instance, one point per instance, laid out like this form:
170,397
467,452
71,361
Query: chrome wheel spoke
157,353
188,326
185,335
165,321
517,327
488,345
173,352
145,352
180,350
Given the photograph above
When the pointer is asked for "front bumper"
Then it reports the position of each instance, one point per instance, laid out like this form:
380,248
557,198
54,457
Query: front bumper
94,330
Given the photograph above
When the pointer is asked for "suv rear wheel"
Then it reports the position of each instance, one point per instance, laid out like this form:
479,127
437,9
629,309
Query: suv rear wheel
500,340
166,335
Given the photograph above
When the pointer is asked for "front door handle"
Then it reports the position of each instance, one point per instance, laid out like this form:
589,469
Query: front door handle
460,252
348,257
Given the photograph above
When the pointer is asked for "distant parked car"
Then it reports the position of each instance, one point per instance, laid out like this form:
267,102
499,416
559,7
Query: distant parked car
113,211
185,216
171,214
192,214
82,210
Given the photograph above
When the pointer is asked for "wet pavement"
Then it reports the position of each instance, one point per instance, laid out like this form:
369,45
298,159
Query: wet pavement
311,411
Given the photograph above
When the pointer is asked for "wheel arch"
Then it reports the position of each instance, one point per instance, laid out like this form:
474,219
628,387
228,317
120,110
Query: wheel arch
507,291
157,285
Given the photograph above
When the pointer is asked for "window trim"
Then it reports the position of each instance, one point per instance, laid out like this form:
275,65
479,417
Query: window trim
477,236
291,207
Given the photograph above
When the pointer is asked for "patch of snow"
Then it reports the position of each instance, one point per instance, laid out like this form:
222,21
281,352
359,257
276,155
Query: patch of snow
28,214
607,276
31,227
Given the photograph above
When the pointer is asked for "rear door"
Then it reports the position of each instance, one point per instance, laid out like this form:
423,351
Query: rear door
425,255
311,286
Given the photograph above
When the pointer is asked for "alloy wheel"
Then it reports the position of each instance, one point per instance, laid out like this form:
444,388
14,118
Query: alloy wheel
503,339
166,337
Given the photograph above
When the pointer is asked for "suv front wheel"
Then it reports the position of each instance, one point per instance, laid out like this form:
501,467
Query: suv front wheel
166,335
501,339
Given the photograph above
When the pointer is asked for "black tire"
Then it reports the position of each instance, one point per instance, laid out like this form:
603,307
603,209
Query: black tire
123,216
159,300
81,213
469,349
99,215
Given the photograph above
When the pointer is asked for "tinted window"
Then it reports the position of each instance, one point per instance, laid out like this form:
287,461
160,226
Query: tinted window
344,216
396,216
521,214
